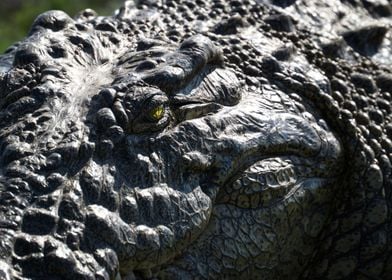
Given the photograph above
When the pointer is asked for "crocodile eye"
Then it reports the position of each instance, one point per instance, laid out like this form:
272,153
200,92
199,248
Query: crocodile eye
157,113
153,115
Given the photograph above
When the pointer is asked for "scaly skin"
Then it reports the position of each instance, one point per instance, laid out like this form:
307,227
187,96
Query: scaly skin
199,140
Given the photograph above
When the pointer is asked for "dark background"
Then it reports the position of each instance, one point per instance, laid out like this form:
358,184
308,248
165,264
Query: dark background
16,16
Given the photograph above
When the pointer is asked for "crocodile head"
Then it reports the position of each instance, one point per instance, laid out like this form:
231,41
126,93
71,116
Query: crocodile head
184,136
149,155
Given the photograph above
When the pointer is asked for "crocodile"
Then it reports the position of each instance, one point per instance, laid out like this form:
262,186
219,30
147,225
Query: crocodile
205,139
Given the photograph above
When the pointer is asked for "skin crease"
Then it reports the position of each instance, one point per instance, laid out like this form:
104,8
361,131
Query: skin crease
216,140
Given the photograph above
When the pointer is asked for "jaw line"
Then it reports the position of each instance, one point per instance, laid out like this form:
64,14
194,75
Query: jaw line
140,246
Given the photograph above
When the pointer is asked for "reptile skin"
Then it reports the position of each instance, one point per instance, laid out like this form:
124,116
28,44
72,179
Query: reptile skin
204,139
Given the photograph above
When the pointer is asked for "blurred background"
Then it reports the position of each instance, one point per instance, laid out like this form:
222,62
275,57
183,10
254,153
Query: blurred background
16,16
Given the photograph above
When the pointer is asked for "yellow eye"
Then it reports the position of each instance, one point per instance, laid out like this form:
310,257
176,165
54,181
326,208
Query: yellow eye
157,113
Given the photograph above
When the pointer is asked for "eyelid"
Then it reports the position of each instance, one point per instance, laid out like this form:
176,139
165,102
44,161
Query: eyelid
155,100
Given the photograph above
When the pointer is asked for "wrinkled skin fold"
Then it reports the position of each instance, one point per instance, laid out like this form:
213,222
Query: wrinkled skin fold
134,148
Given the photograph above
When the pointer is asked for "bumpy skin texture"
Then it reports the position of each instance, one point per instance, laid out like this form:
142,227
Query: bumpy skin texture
199,140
